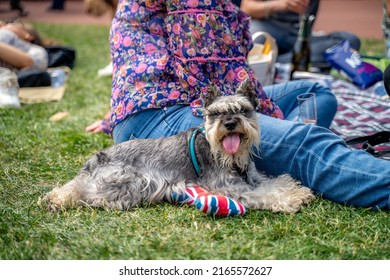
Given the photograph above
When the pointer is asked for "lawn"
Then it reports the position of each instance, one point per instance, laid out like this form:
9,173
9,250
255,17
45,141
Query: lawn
37,155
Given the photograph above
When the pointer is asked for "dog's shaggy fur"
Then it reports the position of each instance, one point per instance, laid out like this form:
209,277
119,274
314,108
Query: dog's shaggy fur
148,171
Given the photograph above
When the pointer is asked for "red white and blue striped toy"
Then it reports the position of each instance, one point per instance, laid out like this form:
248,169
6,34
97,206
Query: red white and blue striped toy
218,205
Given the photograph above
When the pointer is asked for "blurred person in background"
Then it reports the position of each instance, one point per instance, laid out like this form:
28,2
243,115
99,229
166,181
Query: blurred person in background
20,47
17,5
57,5
280,18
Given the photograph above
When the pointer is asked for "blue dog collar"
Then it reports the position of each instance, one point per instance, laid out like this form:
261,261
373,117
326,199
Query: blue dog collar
195,163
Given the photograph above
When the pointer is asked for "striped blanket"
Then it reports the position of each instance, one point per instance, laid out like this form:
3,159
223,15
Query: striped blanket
360,112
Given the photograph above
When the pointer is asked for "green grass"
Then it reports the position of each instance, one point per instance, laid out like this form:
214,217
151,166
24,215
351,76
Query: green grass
37,155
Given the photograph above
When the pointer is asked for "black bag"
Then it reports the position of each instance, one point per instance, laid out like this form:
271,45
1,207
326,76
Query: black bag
61,56
33,78
371,144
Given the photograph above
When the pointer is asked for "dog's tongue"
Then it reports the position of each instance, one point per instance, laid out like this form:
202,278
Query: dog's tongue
231,143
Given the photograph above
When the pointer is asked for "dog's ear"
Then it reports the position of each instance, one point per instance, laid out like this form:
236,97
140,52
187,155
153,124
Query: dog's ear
246,88
212,93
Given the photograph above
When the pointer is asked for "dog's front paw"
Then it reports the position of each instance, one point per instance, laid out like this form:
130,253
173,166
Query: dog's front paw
58,198
306,195
291,200
52,201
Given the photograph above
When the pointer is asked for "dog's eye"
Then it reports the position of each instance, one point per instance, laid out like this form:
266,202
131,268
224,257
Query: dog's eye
244,111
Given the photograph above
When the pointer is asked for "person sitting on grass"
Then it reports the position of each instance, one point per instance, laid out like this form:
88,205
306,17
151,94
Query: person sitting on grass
18,50
166,55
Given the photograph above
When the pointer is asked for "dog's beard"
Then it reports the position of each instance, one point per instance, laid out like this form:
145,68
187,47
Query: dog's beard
233,148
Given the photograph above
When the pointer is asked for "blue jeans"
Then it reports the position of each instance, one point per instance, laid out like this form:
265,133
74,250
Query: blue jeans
312,154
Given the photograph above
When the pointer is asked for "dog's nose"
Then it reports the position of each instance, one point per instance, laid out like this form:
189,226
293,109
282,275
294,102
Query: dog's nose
230,124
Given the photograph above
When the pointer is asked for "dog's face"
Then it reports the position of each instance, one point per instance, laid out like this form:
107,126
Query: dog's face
231,121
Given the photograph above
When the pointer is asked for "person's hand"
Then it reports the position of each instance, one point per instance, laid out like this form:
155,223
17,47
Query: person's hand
96,127
101,125
262,9
296,6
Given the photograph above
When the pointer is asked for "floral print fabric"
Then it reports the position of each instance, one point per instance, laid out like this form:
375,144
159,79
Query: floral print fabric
167,53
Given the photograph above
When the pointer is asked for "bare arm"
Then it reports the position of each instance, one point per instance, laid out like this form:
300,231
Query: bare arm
11,55
15,57
262,9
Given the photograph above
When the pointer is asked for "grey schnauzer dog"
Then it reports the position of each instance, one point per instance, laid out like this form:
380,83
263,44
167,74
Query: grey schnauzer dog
218,158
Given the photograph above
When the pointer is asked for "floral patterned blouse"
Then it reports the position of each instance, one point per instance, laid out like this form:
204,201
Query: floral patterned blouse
167,52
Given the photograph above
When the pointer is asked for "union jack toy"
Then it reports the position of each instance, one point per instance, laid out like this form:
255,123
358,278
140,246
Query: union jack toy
218,205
